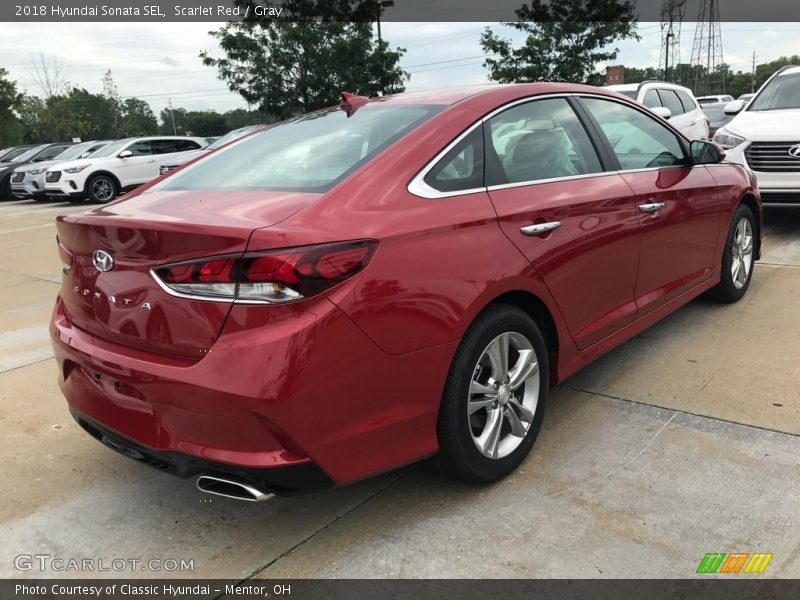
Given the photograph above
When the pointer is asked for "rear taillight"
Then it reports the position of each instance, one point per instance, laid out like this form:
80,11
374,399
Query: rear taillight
267,277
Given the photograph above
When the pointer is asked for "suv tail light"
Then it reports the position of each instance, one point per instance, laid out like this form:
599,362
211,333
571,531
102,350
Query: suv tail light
269,277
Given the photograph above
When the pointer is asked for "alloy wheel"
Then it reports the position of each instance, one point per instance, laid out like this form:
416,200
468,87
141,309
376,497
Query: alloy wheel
742,253
503,395
103,190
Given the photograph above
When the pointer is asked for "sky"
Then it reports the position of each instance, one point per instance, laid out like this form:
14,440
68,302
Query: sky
157,62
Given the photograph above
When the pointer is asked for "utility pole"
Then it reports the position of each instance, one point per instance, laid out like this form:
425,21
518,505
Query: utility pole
172,114
753,74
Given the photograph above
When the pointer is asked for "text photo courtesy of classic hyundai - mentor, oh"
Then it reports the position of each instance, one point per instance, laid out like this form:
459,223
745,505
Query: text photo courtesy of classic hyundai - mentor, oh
388,280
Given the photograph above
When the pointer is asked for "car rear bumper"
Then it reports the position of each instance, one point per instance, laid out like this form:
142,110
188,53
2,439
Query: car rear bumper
309,389
289,480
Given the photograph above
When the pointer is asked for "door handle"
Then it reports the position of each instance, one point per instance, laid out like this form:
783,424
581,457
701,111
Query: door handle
693,123
652,207
540,228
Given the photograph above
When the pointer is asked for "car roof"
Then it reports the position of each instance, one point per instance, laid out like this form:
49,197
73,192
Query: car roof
454,95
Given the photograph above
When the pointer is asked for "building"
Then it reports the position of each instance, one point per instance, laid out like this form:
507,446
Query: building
615,75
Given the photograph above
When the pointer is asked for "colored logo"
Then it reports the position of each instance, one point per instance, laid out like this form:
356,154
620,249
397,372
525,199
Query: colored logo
734,563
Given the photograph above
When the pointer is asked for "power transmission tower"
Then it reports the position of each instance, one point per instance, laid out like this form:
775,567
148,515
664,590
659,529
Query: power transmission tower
672,13
707,48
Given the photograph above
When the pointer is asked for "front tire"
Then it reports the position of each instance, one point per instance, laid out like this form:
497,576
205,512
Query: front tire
738,257
494,398
102,189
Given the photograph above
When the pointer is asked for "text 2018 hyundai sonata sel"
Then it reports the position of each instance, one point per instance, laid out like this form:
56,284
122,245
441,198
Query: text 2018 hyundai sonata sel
388,280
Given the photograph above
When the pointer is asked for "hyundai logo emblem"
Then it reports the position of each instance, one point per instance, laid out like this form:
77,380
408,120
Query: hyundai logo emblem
102,260
794,151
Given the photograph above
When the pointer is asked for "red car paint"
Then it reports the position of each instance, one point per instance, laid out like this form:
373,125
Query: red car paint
350,380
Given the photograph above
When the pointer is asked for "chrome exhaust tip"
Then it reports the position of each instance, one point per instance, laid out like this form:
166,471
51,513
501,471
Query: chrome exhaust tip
231,488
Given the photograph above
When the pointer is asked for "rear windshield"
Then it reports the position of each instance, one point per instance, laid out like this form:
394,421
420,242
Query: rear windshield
310,153
782,92
629,93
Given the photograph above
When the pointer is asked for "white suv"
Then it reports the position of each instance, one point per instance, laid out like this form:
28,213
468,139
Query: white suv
671,102
120,166
765,137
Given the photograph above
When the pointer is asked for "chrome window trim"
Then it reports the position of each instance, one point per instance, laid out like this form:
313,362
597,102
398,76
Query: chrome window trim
504,186
419,188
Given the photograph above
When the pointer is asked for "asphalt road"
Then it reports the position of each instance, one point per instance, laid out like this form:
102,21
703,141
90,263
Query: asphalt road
681,442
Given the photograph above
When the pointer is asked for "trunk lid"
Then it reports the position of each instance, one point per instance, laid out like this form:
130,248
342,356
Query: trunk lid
125,304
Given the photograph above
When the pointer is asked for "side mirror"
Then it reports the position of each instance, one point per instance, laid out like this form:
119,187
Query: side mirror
706,153
734,108
662,111
125,154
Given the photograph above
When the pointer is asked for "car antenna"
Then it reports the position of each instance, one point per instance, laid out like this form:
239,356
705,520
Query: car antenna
352,102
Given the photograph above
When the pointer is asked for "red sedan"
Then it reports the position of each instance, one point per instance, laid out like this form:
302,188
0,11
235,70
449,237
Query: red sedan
388,280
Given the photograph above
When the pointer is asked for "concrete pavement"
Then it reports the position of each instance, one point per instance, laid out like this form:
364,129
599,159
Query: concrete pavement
682,441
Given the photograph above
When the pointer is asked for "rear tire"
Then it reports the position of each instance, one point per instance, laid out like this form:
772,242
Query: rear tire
492,408
102,189
738,258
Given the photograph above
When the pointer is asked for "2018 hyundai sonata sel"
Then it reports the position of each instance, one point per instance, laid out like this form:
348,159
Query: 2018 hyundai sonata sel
388,280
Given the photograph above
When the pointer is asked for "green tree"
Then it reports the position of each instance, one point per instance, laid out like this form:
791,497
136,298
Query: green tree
10,132
296,66
111,93
206,123
30,110
565,40
167,115
137,118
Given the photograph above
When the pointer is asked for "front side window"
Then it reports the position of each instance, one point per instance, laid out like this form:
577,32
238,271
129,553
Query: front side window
310,153
671,101
686,100
140,149
542,139
651,99
638,141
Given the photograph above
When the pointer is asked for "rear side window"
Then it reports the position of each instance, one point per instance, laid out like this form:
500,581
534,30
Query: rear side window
310,153
671,101
686,100
542,139
462,168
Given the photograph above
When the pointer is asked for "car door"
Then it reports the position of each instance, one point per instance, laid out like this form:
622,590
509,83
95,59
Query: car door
136,169
570,214
679,208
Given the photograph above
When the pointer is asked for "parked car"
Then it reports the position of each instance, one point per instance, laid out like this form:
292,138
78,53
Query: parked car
120,166
28,181
670,101
713,99
379,282
37,154
764,136
225,139
715,115
746,97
